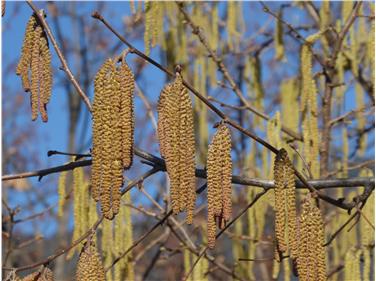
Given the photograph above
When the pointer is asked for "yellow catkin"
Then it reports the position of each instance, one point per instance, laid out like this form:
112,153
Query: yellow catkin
84,206
79,207
278,38
27,47
309,107
289,102
177,143
214,27
148,23
34,68
231,23
311,252
126,83
46,78
153,24
325,20
123,240
258,89
352,264
285,209
200,109
98,129
61,192
35,73
367,252
90,265
187,263
219,173
113,130
241,269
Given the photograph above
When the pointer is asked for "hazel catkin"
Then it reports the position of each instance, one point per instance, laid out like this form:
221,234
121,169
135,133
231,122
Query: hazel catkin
219,173
285,209
34,68
113,129
177,145
311,252
90,265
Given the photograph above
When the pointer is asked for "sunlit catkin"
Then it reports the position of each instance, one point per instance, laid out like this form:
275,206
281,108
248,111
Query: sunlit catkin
285,209
219,173
311,252
177,144
113,129
90,265
309,107
61,192
35,69
278,38
126,83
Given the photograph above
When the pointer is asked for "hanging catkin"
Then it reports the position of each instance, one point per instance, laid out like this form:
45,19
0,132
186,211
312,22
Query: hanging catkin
90,265
309,107
285,209
61,192
219,172
113,129
177,145
311,252
34,67
278,38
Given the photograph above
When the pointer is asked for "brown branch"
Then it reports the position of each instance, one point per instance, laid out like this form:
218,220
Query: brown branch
201,173
63,61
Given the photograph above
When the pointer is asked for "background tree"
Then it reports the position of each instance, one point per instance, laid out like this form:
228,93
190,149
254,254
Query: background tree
292,75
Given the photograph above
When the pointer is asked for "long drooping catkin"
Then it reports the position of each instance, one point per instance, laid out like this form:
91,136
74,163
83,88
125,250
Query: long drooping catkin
177,145
311,252
113,129
285,209
126,80
61,192
219,173
90,265
35,65
309,107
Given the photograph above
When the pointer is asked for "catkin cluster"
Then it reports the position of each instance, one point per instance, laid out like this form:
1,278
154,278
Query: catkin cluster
34,68
311,252
44,275
90,265
177,145
285,209
113,127
219,173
